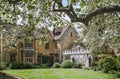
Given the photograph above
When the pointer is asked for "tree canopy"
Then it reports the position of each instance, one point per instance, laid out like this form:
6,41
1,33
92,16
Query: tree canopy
100,18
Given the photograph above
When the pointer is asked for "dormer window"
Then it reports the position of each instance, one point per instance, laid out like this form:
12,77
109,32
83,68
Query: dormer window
57,31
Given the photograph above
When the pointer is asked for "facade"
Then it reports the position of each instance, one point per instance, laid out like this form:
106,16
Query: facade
34,51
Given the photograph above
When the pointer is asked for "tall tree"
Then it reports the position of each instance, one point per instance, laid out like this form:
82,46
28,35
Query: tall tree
100,19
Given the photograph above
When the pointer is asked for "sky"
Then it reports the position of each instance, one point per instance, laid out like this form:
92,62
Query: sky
65,2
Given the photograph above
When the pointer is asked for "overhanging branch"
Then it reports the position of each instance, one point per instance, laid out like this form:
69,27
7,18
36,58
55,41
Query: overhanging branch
103,10
85,20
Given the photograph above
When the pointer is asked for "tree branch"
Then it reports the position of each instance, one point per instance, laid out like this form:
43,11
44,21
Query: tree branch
103,10
71,14
117,16
85,20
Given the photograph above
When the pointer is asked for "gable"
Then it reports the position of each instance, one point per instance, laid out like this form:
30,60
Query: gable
70,32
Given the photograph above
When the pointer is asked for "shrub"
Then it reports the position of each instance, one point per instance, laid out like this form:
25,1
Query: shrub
56,65
44,65
95,66
107,64
66,64
39,66
27,65
118,63
1,77
112,71
77,65
20,65
2,65
118,74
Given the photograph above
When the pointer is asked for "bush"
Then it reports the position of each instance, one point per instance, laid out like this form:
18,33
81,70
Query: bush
118,63
1,77
20,65
56,65
107,64
44,65
3,65
77,65
66,64
118,74
112,71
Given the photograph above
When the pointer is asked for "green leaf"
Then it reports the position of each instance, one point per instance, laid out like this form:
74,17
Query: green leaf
25,1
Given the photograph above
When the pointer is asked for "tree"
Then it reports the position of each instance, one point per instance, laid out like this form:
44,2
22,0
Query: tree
93,8
101,18
25,16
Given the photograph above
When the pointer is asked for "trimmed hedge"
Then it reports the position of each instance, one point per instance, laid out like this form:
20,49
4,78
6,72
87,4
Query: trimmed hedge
21,65
66,64
39,66
56,65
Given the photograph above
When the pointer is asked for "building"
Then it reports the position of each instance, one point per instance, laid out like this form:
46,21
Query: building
34,51
79,54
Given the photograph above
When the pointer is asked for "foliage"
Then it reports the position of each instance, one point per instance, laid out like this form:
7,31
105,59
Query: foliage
77,65
94,66
66,64
1,76
44,65
39,66
103,29
118,63
20,65
107,64
3,65
56,65
118,74
112,72
28,15
47,60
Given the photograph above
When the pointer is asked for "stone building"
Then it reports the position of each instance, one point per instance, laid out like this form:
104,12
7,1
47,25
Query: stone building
58,40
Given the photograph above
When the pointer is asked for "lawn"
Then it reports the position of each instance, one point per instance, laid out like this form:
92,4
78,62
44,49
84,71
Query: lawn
59,74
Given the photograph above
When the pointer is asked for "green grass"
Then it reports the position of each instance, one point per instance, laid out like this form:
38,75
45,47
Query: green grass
59,74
